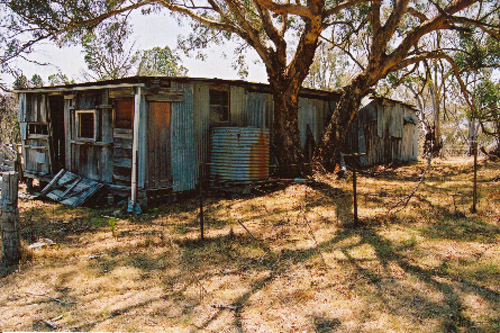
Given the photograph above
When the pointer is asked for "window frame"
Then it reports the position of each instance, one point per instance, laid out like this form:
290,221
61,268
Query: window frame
219,88
78,128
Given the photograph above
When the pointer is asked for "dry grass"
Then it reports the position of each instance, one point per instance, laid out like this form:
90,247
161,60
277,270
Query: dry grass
433,266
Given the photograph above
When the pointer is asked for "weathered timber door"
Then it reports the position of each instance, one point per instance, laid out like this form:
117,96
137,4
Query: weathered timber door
159,167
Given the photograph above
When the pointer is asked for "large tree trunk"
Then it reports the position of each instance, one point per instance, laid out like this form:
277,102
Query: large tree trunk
333,141
286,136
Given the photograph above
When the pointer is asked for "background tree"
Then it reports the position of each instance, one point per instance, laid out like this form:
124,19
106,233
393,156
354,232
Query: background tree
380,37
21,82
36,81
9,129
159,61
284,35
58,79
397,36
107,52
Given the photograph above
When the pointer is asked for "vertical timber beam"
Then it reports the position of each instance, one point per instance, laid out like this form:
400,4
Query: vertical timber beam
11,244
133,207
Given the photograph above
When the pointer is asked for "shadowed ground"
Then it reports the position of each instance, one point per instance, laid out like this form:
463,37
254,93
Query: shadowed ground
433,266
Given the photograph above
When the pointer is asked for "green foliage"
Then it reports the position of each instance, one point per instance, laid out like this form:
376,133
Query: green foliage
36,81
9,128
21,82
159,61
106,51
59,79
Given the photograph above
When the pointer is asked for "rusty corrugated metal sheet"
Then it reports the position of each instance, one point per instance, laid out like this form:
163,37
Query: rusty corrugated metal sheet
239,153
182,126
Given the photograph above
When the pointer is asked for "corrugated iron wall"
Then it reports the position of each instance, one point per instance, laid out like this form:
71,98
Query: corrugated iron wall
183,147
201,122
259,109
380,131
237,105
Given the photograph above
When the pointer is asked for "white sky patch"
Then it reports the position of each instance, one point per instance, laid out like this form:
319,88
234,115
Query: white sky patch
159,29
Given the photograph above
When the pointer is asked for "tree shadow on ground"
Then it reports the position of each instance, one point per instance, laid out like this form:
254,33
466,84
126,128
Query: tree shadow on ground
233,252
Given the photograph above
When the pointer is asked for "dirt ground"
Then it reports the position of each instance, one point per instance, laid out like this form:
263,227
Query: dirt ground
301,265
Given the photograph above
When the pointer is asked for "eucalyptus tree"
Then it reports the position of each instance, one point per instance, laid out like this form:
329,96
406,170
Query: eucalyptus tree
159,61
283,34
397,36
390,36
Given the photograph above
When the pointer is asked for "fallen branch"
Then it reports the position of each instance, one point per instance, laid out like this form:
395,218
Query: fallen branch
51,298
50,324
405,200
248,231
228,307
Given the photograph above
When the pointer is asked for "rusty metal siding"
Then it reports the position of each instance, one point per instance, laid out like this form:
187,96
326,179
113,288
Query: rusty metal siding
380,131
183,156
239,153
201,121
237,105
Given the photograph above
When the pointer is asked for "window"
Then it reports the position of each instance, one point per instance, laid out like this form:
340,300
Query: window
38,129
219,106
85,125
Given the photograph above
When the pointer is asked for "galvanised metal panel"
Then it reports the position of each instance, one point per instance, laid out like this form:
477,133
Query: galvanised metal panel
238,98
257,110
182,126
239,153
307,116
201,118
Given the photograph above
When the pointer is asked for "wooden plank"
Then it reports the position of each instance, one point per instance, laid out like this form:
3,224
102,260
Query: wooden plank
67,133
122,162
159,145
53,181
158,94
71,189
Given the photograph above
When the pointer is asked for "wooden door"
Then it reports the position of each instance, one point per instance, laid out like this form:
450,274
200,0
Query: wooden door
159,166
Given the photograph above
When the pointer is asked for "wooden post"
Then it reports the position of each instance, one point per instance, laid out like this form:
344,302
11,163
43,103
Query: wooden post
474,185
355,197
11,244
133,207
201,201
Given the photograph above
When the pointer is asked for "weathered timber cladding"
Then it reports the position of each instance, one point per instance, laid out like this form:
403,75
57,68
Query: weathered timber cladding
159,156
35,145
91,158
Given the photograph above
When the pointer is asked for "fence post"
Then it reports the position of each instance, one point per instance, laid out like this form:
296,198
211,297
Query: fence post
11,244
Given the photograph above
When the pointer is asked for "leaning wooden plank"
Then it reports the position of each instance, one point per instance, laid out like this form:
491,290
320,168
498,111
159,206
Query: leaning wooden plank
76,182
47,188
81,198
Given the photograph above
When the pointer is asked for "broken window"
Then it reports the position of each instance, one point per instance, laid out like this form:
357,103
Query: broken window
219,105
85,124
40,129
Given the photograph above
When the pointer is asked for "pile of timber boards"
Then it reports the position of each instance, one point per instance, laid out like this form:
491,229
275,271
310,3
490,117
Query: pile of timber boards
70,189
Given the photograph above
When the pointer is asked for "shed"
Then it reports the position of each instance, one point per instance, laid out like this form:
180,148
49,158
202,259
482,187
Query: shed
98,130
147,136
386,130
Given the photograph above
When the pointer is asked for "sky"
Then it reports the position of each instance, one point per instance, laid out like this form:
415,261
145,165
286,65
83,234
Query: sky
152,30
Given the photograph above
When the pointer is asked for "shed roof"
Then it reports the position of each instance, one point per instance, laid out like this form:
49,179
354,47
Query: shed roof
142,81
